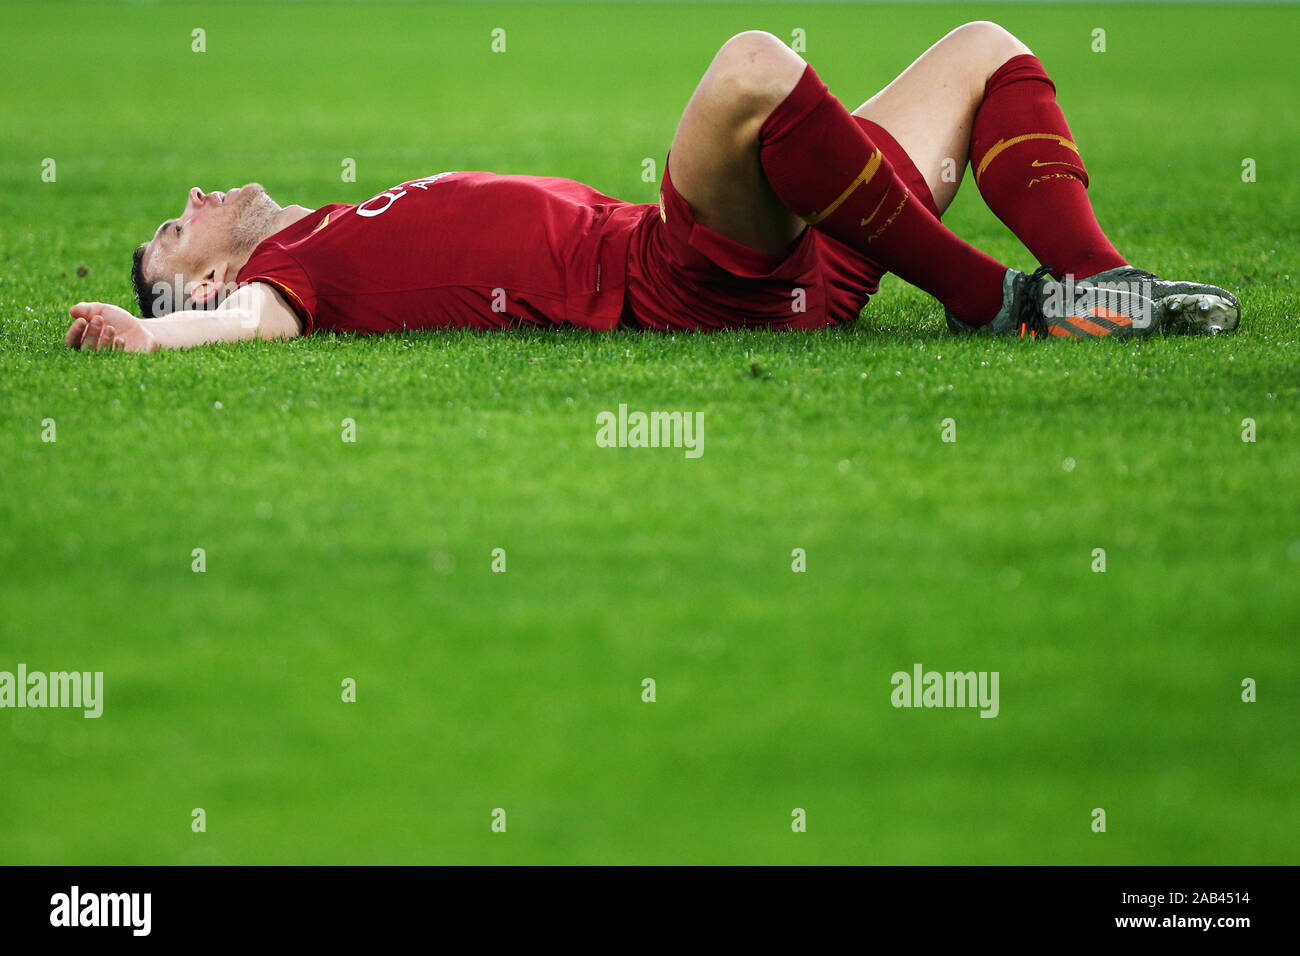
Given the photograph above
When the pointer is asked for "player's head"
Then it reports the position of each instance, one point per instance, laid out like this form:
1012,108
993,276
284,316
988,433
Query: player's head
190,259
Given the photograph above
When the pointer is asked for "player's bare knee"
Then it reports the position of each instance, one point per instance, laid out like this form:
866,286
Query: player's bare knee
990,45
753,72
980,47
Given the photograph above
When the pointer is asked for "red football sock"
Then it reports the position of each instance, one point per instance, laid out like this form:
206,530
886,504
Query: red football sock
1031,175
825,169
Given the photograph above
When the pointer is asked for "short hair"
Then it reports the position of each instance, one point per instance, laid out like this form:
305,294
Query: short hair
143,289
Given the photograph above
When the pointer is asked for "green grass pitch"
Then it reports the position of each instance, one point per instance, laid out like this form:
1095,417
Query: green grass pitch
522,690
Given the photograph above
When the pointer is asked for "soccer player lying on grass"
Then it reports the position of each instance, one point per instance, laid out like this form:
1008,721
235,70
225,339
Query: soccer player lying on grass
763,151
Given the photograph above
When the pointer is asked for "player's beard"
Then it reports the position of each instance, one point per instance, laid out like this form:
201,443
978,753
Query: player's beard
256,221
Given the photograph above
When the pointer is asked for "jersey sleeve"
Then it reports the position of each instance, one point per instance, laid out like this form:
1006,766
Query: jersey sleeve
279,269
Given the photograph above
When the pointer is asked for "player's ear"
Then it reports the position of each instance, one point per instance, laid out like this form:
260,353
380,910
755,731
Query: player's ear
206,292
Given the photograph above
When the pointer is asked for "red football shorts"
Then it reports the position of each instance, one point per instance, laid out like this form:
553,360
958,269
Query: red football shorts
684,276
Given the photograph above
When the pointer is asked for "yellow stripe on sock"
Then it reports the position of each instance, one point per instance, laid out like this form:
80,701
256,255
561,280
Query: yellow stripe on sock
1002,144
868,171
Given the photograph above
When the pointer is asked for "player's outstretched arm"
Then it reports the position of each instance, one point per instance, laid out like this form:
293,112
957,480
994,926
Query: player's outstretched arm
252,311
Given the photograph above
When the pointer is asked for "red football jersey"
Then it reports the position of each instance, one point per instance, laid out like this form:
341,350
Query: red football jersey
459,249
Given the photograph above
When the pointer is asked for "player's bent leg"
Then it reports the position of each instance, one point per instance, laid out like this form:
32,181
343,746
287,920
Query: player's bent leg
930,107
764,150
980,94
714,163
1031,174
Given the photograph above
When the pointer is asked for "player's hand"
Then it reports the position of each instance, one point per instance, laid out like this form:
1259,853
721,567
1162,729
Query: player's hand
99,325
